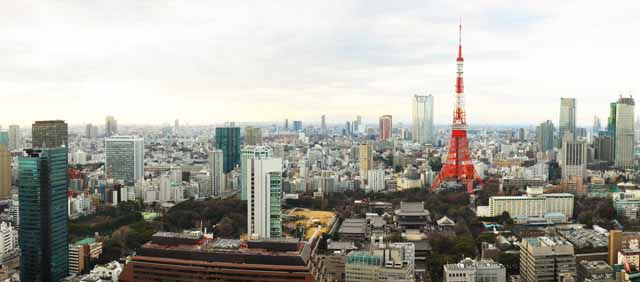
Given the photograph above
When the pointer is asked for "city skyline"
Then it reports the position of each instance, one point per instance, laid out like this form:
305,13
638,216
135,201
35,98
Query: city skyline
194,62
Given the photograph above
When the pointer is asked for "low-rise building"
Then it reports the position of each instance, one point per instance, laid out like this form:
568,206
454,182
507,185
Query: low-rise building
533,205
469,270
595,271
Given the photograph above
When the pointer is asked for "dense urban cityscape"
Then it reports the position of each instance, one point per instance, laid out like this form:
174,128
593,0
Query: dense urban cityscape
328,199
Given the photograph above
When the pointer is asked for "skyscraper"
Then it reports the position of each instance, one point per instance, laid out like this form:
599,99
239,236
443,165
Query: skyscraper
15,137
5,172
422,110
286,124
49,134
544,136
124,158
366,159
567,117
176,126
297,125
624,130
386,126
91,131
216,170
323,124
248,153
4,138
264,196
252,135
228,140
574,157
42,175
110,126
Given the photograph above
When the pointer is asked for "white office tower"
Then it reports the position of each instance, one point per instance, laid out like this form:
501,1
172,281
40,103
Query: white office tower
8,241
216,173
624,155
574,157
79,157
423,130
264,194
567,117
468,270
249,152
15,137
375,180
124,158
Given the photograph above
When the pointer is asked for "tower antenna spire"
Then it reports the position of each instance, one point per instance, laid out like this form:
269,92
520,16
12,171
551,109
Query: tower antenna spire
460,32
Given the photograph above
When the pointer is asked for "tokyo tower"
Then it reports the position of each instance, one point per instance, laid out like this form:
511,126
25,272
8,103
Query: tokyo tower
458,165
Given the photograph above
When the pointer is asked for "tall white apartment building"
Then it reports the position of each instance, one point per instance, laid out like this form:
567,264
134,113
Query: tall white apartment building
264,196
216,172
624,155
375,180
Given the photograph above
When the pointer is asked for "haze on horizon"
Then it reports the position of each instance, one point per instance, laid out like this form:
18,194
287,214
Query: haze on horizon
203,62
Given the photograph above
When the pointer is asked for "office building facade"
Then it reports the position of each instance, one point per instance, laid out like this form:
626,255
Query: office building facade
15,137
252,136
624,132
468,270
385,127
110,126
124,158
248,153
366,159
42,175
546,259
567,117
5,172
228,140
49,134
422,117
216,171
264,197
544,136
573,161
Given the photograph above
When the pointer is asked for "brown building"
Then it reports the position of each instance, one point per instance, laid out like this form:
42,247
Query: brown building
49,134
193,257
619,240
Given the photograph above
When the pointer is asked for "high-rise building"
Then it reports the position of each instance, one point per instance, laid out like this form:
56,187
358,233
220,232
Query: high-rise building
91,131
596,126
385,127
110,126
228,140
297,125
264,196
49,134
375,180
366,159
603,145
42,174
124,158
176,126
4,138
422,110
624,131
469,270
544,136
15,137
574,157
216,170
323,124
5,172
248,153
286,124
252,135
546,259
567,117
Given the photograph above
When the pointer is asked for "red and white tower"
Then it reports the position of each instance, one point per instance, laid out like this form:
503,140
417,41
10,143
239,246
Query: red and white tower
459,165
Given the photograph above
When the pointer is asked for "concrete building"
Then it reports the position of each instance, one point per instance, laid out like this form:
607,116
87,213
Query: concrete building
595,271
619,240
546,259
422,117
216,172
8,241
124,158
382,264
624,132
468,270
574,157
366,159
534,204
385,127
264,197
375,180
604,148
567,118
248,153
194,257
81,253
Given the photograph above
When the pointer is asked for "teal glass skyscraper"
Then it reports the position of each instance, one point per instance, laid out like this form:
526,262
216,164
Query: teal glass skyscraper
228,140
42,175
4,138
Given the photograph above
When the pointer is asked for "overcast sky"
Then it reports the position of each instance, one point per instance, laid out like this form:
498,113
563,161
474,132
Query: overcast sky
214,61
